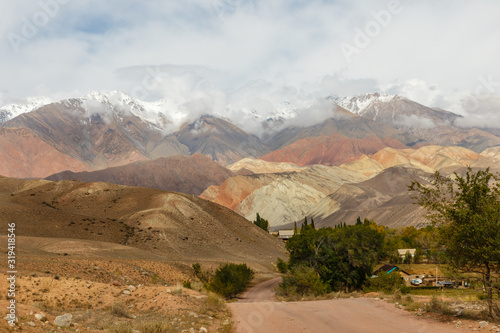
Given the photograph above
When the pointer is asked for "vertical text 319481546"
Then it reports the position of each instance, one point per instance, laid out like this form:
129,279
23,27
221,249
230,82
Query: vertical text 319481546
11,273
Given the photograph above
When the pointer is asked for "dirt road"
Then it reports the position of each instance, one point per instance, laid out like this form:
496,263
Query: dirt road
258,312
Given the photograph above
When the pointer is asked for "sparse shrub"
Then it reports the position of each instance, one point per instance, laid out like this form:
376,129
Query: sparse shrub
196,285
397,296
408,299
120,310
212,303
156,327
282,266
177,290
230,279
187,284
387,283
123,328
301,281
438,306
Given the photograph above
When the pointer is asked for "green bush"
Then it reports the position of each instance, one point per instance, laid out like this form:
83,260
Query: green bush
230,279
187,284
282,266
387,283
302,281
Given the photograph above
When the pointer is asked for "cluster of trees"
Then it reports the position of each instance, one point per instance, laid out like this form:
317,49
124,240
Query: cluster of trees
261,223
332,258
465,233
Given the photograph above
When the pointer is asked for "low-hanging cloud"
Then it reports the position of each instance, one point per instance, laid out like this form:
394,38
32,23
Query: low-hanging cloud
483,112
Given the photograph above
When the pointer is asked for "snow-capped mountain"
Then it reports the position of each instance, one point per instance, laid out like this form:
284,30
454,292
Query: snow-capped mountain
10,111
159,113
396,111
120,104
359,103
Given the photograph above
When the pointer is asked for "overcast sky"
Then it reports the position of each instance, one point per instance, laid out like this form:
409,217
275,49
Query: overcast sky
440,53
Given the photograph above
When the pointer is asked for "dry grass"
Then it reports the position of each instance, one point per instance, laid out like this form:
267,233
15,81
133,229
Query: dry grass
437,305
157,327
213,304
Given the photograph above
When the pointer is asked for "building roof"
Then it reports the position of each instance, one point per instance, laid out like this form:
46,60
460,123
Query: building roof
286,233
388,269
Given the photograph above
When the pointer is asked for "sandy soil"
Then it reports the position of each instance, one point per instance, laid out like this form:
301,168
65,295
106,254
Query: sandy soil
106,295
257,311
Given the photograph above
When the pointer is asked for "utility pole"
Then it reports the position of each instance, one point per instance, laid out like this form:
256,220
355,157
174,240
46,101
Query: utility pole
436,275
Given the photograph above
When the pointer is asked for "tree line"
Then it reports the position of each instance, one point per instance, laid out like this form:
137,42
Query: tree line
464,231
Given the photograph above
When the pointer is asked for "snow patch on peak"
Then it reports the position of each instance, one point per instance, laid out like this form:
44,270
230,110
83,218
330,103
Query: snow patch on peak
157,113
29,104
357,104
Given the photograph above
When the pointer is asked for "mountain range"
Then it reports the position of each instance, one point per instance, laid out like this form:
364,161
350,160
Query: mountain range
335,169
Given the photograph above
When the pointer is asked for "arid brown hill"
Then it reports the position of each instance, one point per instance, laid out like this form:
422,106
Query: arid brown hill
173,225
186,174
330,150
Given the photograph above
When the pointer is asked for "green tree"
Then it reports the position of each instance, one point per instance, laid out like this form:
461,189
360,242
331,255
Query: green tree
342,257
408,258
261,223
468,209
304,226
417,257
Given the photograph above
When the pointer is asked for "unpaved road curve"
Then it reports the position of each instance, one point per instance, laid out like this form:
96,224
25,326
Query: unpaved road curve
258,312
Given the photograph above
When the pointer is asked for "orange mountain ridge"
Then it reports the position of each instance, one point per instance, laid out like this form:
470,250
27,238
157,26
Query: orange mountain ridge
24,155
330,150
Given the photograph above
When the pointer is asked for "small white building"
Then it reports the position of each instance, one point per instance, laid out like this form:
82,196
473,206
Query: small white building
402,252
286,233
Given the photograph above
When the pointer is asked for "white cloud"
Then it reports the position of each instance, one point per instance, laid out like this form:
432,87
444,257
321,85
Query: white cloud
482,111
219,49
